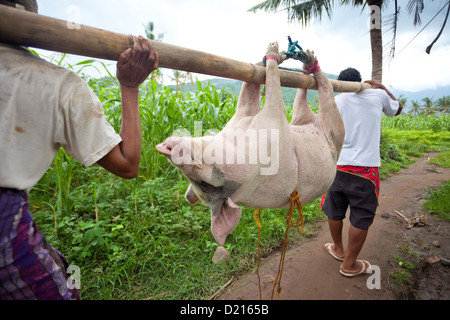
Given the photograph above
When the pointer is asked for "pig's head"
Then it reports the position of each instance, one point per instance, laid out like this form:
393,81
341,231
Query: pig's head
210,180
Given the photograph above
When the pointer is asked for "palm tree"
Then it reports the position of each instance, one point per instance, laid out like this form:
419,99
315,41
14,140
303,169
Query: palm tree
177,77
181,78
443,104
415,109
429,107
156,75
376,40
149,27
304,10
402,99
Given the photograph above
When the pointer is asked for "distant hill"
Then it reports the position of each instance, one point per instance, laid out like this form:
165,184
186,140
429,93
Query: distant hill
234,87
433,94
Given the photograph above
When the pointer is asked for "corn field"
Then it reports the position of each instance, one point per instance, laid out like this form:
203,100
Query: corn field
135,239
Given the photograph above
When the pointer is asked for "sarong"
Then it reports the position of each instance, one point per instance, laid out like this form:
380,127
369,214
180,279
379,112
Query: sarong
29,267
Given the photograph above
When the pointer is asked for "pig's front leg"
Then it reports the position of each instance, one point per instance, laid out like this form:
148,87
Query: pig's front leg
301,113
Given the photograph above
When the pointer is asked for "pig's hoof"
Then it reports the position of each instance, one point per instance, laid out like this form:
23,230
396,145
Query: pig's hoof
221,255
311,59
272,50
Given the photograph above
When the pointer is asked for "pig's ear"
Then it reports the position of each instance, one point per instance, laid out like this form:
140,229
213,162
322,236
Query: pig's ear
224,218
190,195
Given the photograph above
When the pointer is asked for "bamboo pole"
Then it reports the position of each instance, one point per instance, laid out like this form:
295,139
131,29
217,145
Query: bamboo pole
22,28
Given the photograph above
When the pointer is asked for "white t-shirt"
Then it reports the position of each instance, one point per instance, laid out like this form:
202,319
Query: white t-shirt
362,114
42,108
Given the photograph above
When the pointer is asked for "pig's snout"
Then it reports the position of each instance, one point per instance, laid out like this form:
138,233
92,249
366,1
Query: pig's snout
167,146
171,147
164,149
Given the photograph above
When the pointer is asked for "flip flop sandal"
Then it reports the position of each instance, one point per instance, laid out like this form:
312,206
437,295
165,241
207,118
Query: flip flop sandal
329,249
365,269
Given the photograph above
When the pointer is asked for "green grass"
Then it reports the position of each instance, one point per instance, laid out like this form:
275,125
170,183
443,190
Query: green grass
438,201
138,239
442,159
401,147
148,241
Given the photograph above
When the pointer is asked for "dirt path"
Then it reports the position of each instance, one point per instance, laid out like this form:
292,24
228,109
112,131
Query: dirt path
311,273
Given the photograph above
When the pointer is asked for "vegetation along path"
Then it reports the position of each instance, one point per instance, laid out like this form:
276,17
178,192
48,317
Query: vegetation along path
411,260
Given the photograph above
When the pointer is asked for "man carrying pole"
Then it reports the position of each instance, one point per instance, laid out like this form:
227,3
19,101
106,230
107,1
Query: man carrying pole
357,178
43,108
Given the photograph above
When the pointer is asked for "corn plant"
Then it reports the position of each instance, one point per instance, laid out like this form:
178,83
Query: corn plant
437,122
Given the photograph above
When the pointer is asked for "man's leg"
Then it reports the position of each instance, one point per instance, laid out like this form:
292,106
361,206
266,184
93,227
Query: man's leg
335,205
356,239
363,200
336,235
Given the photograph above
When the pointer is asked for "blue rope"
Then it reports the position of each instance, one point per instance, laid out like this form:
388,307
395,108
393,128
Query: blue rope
293,54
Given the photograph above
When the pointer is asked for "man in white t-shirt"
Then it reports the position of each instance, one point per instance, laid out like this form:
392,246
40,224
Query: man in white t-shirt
357,178
42,108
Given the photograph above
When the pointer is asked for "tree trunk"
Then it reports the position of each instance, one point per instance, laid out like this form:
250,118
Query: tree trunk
376,41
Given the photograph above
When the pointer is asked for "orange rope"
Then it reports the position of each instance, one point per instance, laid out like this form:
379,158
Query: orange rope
257,217
294,200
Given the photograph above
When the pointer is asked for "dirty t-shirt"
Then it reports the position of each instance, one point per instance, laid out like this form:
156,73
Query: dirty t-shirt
42,108
362,113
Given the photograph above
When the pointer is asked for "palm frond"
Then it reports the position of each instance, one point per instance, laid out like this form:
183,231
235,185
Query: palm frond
304,10
428,49
272,5
415,7
393,22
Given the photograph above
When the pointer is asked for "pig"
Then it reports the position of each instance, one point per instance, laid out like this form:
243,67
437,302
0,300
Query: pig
259,158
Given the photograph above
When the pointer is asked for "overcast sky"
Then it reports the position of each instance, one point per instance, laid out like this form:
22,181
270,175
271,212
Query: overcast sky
225,28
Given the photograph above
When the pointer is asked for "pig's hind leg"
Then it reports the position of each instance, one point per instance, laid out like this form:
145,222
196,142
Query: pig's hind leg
301,113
